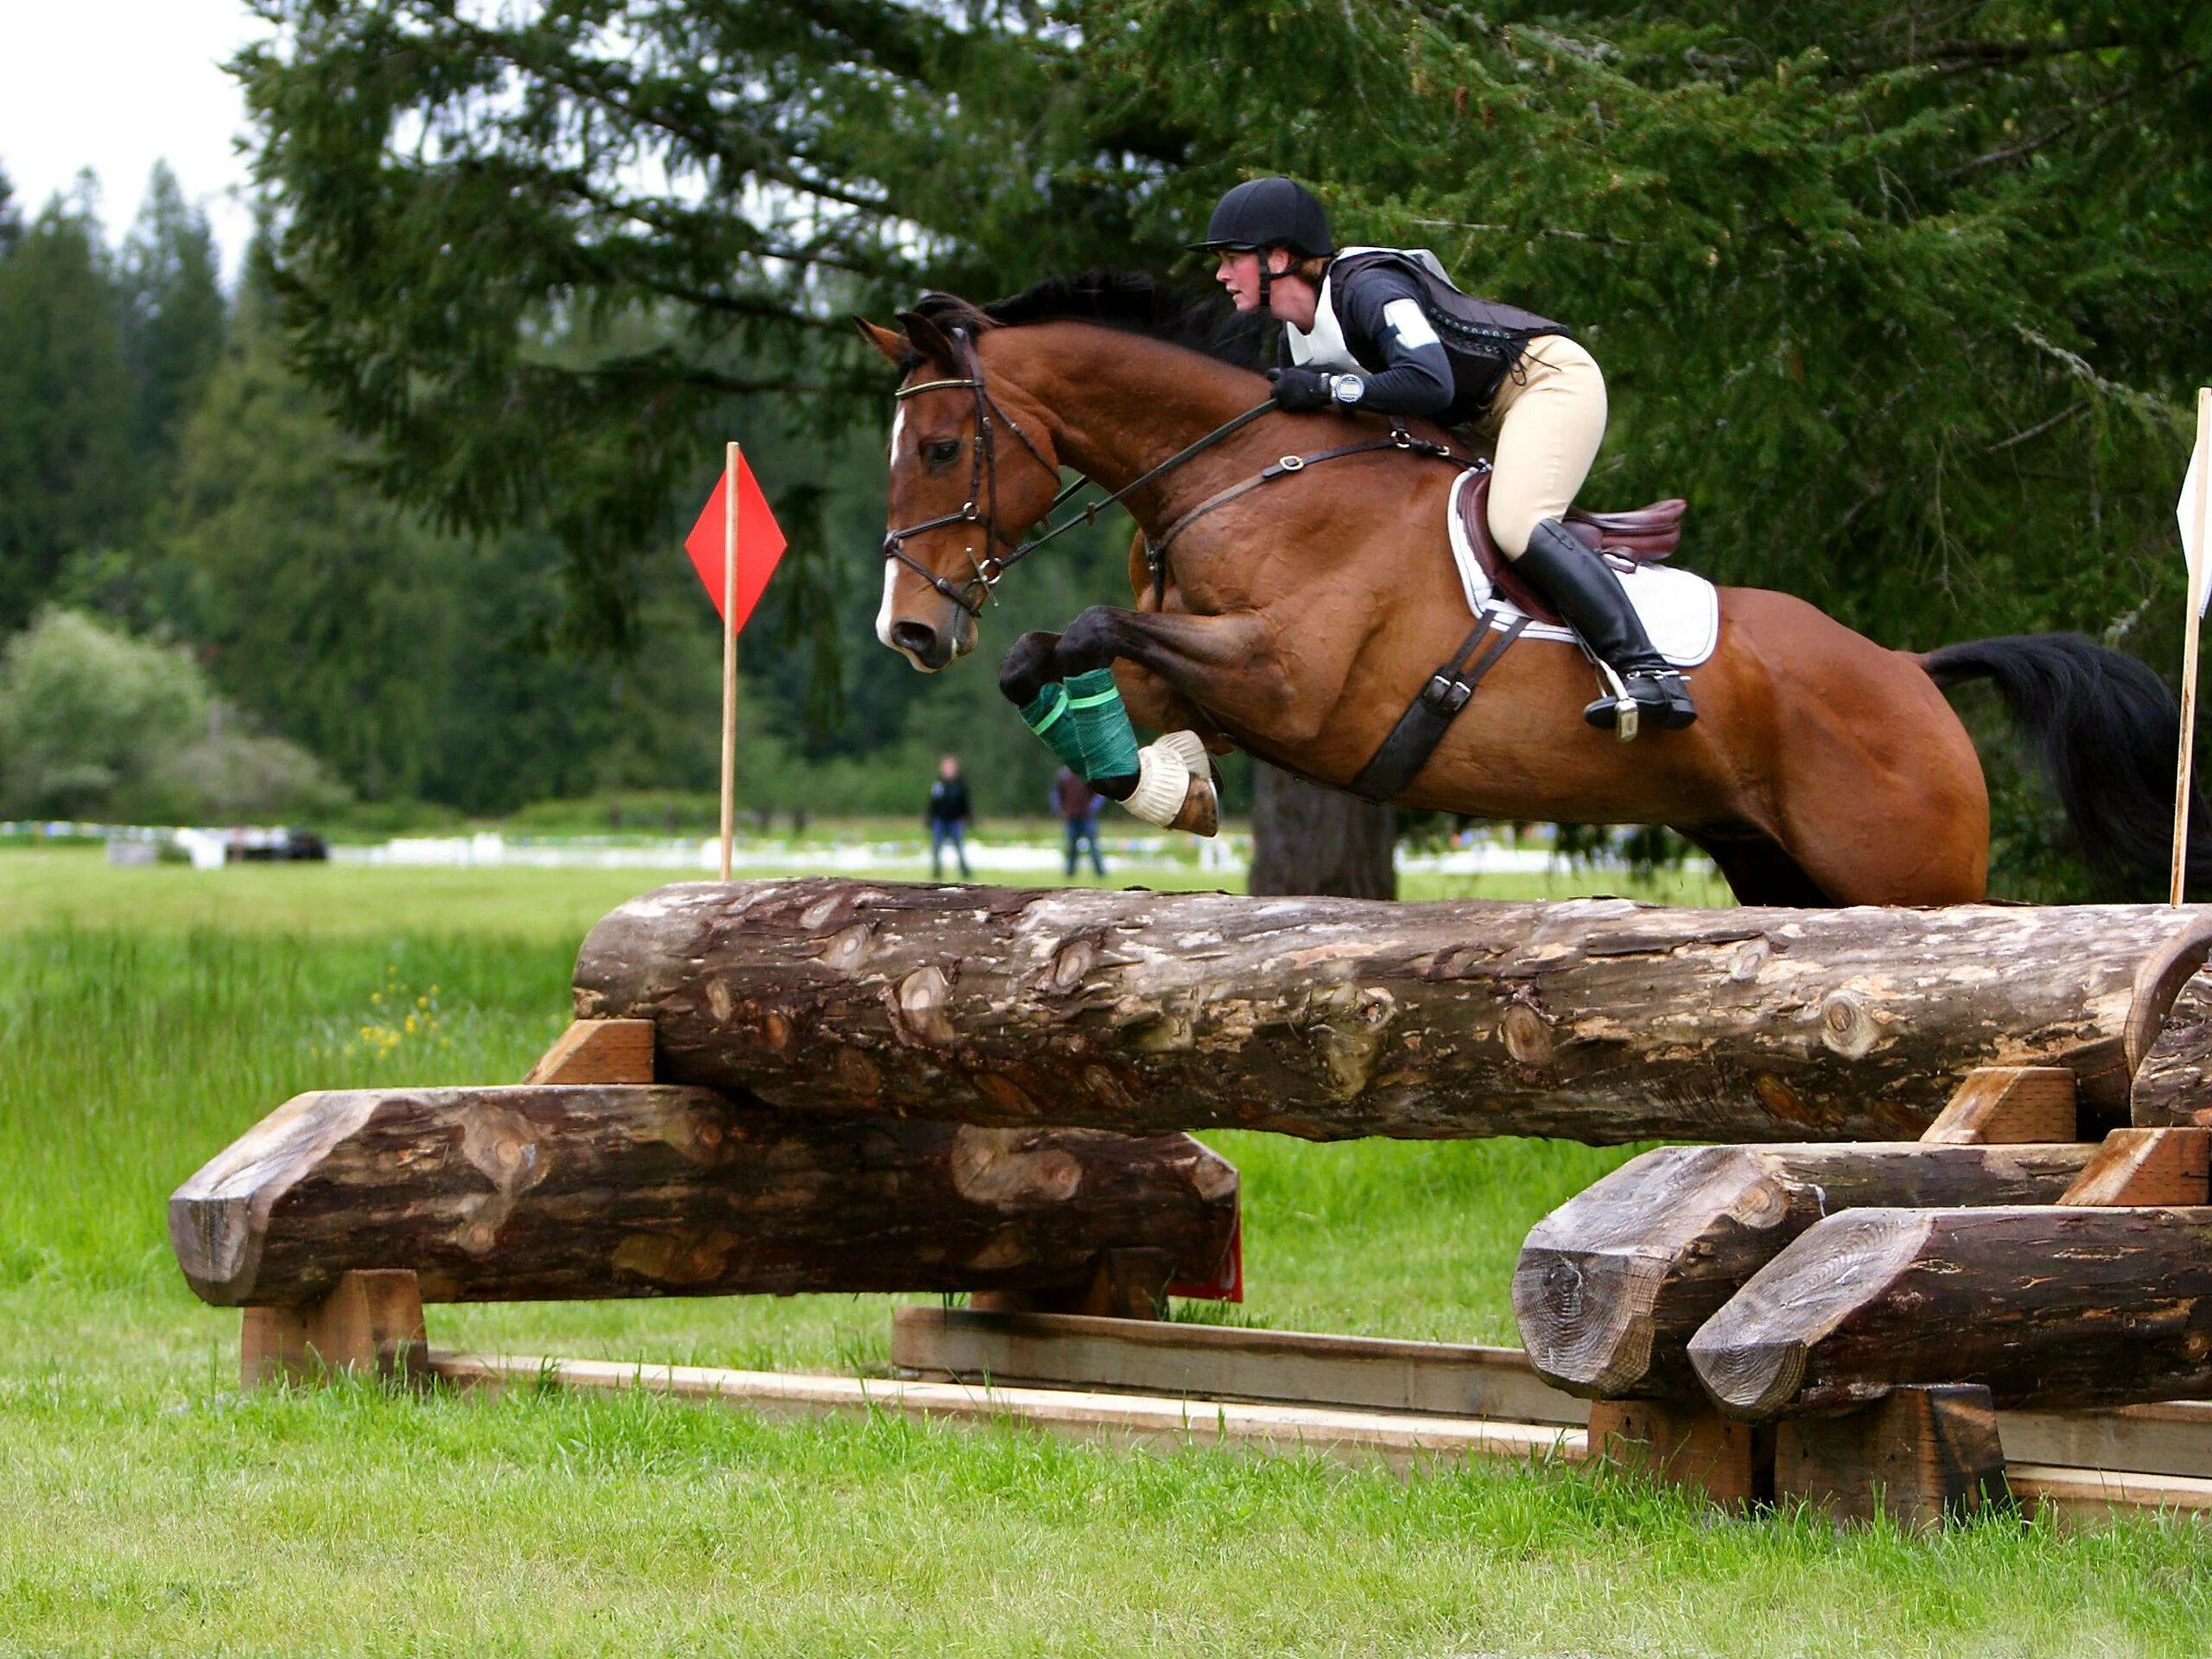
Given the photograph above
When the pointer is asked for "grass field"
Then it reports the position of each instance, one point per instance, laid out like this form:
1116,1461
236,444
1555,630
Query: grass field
147,1017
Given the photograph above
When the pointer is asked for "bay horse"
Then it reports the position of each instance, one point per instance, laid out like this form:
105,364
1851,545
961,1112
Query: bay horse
1297,620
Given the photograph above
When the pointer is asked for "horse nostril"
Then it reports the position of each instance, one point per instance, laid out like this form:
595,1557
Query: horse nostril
919,638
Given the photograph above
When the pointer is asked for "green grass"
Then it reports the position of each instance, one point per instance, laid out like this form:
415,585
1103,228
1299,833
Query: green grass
146,1017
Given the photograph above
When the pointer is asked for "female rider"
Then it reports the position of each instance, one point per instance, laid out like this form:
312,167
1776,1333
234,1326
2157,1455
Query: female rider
1383,329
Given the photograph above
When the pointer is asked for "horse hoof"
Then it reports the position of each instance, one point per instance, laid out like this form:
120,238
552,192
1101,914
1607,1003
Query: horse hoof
1200,813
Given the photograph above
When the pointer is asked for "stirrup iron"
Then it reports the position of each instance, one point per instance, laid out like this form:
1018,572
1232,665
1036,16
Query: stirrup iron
1628,714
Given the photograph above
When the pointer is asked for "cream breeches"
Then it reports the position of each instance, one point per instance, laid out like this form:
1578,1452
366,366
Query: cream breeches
1549,416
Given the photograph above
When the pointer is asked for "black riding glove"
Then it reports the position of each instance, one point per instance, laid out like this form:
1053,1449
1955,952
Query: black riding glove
1300,388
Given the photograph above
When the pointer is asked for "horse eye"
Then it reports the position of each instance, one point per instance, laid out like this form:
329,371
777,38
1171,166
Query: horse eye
942,450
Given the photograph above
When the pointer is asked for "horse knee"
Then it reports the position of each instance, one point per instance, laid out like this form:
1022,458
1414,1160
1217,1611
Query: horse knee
1028,667
1090,642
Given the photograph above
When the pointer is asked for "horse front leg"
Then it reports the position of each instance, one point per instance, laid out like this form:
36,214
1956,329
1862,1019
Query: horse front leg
1183,664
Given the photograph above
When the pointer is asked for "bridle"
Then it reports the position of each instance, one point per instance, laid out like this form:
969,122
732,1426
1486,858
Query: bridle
981,507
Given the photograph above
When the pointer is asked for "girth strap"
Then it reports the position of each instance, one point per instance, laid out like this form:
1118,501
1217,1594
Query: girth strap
1430,715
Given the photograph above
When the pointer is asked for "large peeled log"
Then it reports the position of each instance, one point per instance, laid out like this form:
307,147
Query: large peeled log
2057,1307
507,1194
1596,1021
1612,1284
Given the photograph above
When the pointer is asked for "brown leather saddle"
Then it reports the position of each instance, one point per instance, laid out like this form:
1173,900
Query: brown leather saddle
1643,537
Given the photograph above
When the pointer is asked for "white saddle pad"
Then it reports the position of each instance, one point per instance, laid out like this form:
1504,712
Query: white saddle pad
1680,612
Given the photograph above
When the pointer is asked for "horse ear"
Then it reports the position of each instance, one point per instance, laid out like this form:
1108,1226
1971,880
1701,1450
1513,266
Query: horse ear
929,339
889,341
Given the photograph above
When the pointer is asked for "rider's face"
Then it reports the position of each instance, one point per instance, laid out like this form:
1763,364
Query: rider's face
1239,272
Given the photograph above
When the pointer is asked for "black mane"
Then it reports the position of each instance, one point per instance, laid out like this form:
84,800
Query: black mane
1132,302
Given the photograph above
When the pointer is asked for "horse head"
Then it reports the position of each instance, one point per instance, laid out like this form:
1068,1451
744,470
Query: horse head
968,477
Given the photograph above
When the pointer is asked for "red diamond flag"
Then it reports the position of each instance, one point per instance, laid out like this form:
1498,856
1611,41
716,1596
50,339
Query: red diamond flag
759,544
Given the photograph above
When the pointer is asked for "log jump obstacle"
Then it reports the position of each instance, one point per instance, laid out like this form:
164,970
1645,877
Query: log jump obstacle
812,1086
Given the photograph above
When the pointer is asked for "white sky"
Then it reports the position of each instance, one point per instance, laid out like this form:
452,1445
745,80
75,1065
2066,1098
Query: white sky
116,85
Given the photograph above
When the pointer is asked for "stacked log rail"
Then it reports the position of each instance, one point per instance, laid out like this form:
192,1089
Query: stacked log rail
821,1084
2103,1298
338,1215
1598,1020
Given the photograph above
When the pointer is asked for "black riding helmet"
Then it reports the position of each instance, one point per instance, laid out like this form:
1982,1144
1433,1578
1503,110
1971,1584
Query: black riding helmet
1268,213
1263,214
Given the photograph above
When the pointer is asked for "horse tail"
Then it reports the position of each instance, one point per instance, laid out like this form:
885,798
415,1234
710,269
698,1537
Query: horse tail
2104,732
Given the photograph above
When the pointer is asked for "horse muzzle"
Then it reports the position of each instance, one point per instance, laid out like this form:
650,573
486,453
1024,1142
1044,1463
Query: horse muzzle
932,648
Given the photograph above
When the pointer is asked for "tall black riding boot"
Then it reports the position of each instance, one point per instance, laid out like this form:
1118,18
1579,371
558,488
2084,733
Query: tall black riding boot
1590,596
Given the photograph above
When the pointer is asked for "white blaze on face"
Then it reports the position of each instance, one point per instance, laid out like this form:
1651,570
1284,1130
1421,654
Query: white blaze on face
892,567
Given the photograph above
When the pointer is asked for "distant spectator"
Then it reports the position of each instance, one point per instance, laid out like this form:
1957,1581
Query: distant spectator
1077,804
948,815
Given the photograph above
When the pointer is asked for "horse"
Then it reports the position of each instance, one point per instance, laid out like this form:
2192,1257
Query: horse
1296,620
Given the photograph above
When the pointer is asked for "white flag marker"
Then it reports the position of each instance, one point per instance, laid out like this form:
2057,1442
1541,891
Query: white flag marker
2197,549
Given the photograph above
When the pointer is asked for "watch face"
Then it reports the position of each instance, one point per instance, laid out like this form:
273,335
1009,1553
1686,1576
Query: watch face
1350,388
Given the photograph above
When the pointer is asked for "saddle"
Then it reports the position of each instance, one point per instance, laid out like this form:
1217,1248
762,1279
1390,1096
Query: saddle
1643,537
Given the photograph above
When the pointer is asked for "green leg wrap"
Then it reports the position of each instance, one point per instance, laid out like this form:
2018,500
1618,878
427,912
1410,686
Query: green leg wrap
1084,722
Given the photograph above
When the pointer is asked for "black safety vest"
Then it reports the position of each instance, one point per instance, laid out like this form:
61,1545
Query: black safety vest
1484,338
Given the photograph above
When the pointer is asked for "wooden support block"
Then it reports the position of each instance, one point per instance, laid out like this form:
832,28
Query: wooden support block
1694,1447
2007,1105
1922,1456
1127,1284
599,1050
2144,1166
371,1321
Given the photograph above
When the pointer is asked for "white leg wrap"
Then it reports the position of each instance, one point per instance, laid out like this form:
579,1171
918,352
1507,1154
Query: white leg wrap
1162,781
1191,749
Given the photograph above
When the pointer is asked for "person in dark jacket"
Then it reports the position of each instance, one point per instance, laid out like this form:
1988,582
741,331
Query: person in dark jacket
1076,802
948,815
1384,329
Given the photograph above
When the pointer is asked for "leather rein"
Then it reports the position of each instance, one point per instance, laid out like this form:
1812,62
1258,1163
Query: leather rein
981,507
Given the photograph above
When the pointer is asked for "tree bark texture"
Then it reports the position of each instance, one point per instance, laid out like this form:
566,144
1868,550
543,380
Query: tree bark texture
513,1194
1309,840
1596,1021
2173,1086
2062,1307
1611,1285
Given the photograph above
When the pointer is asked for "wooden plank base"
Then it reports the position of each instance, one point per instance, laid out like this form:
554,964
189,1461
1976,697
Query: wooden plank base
1922,1456
371,1322
1698,1449
1402,1440
1226,1363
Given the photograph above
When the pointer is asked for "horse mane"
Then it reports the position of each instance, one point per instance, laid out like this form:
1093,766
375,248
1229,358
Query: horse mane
1130,301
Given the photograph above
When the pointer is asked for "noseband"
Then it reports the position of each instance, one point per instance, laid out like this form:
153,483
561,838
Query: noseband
981,507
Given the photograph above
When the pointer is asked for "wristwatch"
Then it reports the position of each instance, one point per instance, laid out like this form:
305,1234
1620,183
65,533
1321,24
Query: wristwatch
1347,388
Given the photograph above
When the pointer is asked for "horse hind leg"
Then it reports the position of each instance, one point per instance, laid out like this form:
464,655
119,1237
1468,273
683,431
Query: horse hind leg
1757,868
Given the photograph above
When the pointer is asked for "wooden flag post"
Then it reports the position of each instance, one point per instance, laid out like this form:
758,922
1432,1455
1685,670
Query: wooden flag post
728,655
2193,537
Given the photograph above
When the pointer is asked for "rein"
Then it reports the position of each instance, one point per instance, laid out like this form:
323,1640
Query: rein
983,486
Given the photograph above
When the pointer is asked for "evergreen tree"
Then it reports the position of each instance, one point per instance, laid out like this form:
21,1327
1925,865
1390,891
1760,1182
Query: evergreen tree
325,609
174,311
1907,299
67,478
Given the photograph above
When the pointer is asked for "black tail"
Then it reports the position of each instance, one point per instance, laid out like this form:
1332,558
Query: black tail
2105,732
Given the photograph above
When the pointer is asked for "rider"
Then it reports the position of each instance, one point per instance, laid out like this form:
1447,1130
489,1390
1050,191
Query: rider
1384,329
